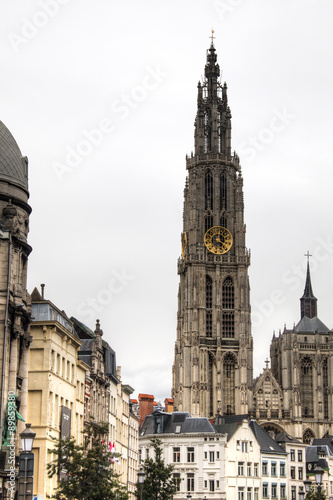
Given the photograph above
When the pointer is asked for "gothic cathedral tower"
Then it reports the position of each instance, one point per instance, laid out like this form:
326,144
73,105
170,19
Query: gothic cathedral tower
213,366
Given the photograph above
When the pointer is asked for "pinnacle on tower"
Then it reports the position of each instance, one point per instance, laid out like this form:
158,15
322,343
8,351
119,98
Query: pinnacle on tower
213,120
308,300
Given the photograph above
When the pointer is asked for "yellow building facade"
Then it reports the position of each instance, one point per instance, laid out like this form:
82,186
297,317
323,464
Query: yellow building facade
56,386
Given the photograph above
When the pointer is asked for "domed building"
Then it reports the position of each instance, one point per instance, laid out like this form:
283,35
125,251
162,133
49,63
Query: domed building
15,302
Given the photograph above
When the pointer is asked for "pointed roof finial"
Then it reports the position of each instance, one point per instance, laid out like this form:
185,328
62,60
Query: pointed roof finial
212,36
308,300
267,363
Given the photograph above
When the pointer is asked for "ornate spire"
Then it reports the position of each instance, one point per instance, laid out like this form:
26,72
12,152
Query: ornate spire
308,300
213,120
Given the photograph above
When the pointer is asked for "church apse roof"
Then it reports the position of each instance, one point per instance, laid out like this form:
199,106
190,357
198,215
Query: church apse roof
311,325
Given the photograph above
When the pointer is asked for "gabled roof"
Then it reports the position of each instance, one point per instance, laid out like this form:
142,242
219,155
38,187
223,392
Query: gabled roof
307,325
228,424
266,443
283,437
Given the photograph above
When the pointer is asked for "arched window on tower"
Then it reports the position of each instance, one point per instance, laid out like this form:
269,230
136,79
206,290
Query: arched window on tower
220,132
325,387
208,221
208,191
307,387
228,309
228,397
208,132
224,221
223,191
209,306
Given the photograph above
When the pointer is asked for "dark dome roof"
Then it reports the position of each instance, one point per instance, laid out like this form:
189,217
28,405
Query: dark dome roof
13,167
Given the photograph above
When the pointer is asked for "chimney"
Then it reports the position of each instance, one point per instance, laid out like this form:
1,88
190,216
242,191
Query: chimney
168,405
146,406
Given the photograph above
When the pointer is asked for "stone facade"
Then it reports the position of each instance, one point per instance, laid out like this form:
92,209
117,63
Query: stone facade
56,386
212,370
15,302
213,361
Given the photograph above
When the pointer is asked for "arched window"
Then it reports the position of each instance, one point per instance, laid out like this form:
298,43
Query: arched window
325,387
208,191
229,368
223,191
208,132
308,436
209,306
208,222
224,221
306,387
228,306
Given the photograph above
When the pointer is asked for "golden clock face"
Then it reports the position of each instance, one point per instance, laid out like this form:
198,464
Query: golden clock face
218,240
184,244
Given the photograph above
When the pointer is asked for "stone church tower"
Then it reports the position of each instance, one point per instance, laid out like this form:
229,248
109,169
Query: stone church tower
302,364
15,302
212,370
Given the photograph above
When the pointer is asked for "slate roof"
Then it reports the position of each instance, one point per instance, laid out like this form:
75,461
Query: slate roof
170,423
266,443
307,325
283,437
13,166
228,424
320,443
308,293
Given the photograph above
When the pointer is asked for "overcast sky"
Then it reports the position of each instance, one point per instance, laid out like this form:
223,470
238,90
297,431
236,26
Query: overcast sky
101,97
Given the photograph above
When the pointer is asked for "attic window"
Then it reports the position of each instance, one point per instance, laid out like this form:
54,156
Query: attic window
271,448
178,429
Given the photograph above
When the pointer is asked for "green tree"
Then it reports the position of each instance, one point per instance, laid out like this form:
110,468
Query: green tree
159,483
312,495
85,471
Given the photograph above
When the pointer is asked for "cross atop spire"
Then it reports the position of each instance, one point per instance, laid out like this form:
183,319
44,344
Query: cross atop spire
212,36
308,255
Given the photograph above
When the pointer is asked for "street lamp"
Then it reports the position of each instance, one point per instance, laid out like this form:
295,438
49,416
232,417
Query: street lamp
307,485
189,497
27,437
26,465
318,472
141,478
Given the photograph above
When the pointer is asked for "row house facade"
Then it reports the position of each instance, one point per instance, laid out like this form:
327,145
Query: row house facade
56,386
193,447
73,378
232,459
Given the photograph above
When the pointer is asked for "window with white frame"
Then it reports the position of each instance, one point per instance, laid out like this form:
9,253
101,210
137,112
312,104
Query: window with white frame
265,468
176,454
282,469
190,482
265,490
241,493
241,468
283,491
190,454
